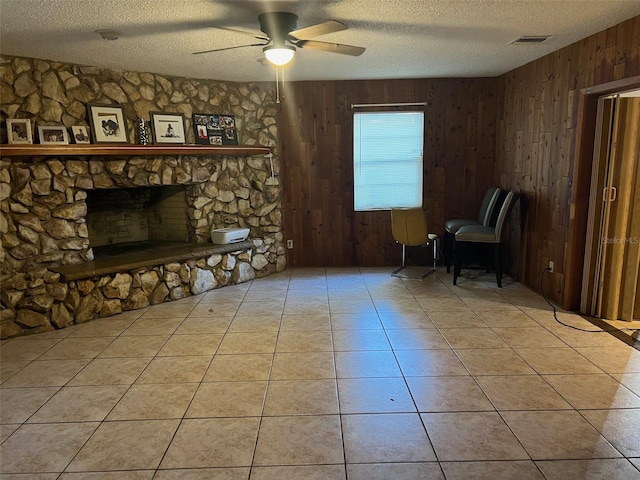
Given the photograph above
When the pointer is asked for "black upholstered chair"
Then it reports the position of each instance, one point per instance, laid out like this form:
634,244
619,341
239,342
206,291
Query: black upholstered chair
484,218
468,236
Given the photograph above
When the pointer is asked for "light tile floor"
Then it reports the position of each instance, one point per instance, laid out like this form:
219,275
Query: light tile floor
325,374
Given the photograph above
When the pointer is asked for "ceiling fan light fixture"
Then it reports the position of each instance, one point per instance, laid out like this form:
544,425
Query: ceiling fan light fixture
279,55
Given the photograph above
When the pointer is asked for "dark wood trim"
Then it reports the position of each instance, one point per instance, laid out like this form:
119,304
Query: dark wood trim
581,182
128,150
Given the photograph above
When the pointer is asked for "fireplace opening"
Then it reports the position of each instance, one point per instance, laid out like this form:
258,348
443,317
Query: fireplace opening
135,220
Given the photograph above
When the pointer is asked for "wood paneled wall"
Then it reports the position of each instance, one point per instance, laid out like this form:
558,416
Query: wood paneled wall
536,142
315,130
517,131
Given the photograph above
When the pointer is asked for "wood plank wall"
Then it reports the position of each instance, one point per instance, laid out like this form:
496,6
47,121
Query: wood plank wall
536,141
315,135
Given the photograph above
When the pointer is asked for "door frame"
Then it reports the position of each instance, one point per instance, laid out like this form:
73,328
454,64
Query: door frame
581,185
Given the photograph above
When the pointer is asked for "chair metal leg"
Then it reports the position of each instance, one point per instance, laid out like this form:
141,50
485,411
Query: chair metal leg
435,253
404,255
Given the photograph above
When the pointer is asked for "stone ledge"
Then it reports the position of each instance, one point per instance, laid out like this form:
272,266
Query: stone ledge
160,255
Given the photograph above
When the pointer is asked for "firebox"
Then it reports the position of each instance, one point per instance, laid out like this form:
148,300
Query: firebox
127,217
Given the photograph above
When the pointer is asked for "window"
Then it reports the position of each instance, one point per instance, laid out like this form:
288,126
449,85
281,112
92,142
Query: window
387,160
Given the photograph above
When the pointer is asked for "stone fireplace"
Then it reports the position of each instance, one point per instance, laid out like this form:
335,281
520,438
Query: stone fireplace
63,211
53,273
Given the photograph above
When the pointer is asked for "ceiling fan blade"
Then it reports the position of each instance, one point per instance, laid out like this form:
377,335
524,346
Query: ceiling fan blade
318,29
332,47
254,34
229,48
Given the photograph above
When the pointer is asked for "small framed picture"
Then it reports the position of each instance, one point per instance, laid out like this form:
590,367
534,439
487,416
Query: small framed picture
167,127
80,134
228,124
56,134
107,124
19,130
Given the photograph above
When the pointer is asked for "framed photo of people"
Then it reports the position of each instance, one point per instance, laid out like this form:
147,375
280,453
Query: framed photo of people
214,129
19,130
80,134
167,127
107,124
52,135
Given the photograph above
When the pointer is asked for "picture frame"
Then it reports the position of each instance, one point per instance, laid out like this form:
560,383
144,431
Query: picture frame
214,129
168,127
80,134
107,124
229,136
19,131
53,135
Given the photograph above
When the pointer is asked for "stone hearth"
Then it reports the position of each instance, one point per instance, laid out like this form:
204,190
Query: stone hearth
47,237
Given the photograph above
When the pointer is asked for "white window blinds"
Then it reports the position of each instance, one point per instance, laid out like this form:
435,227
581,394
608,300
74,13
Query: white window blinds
387,160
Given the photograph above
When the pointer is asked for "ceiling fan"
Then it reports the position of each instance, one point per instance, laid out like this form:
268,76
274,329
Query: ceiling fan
281,37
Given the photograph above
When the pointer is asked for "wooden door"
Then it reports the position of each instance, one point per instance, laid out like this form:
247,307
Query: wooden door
612,262
596,219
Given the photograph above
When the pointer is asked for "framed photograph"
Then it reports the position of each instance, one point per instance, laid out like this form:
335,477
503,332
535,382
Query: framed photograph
167,127
80,134
215,129
107,124
228,123
56,134
19,130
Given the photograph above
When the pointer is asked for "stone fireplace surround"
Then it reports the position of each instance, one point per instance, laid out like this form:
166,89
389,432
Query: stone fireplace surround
42,199
45,201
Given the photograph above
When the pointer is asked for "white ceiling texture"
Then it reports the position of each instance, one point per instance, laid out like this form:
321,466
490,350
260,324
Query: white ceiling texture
403,38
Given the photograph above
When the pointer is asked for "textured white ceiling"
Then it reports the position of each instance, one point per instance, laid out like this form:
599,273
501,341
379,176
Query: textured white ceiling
403,38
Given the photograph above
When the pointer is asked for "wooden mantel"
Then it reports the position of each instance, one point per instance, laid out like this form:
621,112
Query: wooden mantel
128,150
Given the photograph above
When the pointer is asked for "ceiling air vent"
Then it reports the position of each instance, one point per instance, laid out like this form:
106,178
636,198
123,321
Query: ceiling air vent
531,40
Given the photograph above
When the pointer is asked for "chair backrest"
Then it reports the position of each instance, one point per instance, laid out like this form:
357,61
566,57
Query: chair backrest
409,226
488,205
505,209
501,196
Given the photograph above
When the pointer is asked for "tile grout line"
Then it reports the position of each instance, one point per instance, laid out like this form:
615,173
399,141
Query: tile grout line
104,420
266,391
406,384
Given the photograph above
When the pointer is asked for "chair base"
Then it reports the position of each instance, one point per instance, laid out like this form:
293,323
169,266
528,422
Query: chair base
412,272
416,275
460,259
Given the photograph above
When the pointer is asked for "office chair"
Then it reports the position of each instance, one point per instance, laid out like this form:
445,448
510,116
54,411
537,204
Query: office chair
409,227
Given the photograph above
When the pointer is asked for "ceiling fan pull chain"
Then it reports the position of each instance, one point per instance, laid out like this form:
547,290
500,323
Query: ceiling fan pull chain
277,86
282,74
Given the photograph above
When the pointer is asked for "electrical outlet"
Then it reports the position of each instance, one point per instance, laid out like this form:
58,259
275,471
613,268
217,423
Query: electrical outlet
551,265
290,244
